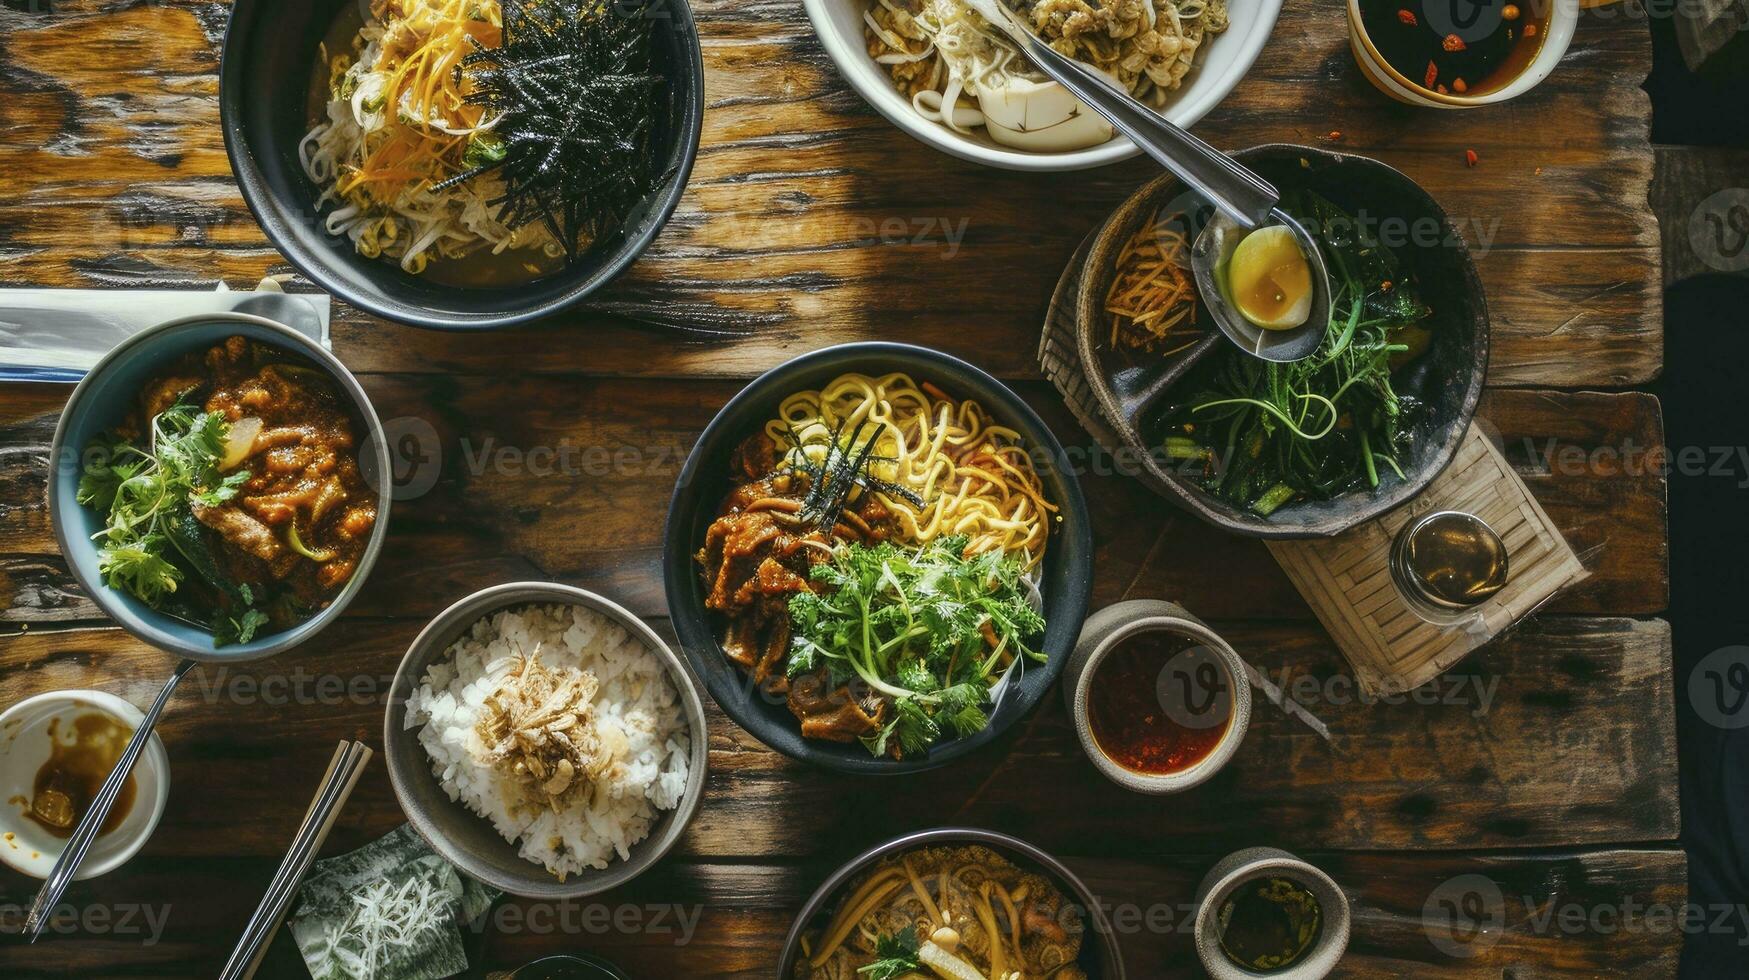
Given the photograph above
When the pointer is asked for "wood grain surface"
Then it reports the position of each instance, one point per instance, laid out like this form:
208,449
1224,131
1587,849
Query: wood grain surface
1545,764
810,220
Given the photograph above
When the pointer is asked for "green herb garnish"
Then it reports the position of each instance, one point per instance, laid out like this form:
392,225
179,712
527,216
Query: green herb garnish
898,955
1268,434
147,494
931,630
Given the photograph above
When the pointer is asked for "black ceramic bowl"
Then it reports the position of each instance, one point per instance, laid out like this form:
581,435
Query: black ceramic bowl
1065,582
1388,206
269,54
1100,957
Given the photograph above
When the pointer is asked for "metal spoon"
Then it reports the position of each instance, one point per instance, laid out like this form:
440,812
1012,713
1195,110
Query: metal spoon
1243,201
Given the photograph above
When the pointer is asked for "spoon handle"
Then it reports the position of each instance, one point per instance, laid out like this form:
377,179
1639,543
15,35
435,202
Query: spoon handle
86,833
1228,184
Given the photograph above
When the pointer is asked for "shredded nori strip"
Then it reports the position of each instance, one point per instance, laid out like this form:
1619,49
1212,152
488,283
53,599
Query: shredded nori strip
574,83
844,469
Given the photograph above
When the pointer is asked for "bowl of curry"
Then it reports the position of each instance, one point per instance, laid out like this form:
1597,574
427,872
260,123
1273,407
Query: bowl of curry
219,485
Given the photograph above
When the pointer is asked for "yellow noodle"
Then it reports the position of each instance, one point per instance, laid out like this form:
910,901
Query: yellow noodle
973,475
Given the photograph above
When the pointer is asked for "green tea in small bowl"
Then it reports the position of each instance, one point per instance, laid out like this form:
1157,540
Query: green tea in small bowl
1269,923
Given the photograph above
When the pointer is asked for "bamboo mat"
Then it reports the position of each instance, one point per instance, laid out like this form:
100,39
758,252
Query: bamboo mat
1392,648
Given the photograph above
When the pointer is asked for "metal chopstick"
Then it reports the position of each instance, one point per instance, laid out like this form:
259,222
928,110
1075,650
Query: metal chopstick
343,772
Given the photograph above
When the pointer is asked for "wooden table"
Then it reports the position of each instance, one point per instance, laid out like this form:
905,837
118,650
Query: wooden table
811,221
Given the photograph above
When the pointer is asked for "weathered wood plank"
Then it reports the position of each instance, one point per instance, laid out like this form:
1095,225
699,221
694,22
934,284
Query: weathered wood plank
810,220
685,919
575,482
1562,733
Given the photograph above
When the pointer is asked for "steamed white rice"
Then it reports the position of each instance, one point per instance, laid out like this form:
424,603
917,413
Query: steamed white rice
637,699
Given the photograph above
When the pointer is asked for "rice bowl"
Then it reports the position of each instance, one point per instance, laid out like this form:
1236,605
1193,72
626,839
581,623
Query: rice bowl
639,706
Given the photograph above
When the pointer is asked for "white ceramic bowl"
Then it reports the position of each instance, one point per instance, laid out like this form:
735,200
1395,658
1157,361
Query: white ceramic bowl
1103,633
1563,20
24,747
1224,60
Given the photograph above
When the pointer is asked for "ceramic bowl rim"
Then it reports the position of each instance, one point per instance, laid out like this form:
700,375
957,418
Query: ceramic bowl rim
996,840
878,92
270,212
691,621
1224,750
119,607
435,637
1256,862
155,758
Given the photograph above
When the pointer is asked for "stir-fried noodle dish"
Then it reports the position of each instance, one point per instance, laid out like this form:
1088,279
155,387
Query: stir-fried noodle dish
876,561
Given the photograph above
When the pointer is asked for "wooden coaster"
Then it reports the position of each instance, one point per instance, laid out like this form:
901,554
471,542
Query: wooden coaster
1347,581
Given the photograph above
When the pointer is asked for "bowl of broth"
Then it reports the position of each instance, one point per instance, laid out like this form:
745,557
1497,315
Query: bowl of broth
1160,701
1459,54
56,749
1262,912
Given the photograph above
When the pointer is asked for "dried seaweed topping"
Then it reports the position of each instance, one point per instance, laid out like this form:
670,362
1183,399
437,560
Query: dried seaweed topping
577,95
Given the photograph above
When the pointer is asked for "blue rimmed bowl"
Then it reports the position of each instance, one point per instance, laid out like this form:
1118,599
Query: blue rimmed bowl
1065,583
103,399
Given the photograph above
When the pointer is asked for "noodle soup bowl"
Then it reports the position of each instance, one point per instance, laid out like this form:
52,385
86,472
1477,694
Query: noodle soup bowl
1100,957
1221,64
1064,580
270,53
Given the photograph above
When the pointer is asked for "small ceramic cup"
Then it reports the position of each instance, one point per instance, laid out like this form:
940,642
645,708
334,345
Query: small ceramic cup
1267,862
26,845
1563,21
1108,628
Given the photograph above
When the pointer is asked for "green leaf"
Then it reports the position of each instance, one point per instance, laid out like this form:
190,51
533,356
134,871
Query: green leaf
897,954
239,629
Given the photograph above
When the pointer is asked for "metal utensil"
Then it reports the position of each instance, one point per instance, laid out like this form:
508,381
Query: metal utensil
67,867
343,772
1243,200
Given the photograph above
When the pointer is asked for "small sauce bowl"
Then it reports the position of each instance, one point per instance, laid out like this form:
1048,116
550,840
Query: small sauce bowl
1241,867
28,846
1563,20
1156,740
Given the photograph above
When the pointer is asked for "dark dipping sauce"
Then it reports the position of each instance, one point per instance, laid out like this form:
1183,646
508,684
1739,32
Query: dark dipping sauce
1159,703
1457,47
1269,924
66,784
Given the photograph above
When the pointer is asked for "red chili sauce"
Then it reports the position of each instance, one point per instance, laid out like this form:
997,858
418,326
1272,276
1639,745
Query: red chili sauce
1159,703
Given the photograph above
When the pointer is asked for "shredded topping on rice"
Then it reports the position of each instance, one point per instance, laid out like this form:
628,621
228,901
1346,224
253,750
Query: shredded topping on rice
538,728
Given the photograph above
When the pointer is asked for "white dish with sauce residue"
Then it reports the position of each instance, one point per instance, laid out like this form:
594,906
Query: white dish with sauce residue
25,745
